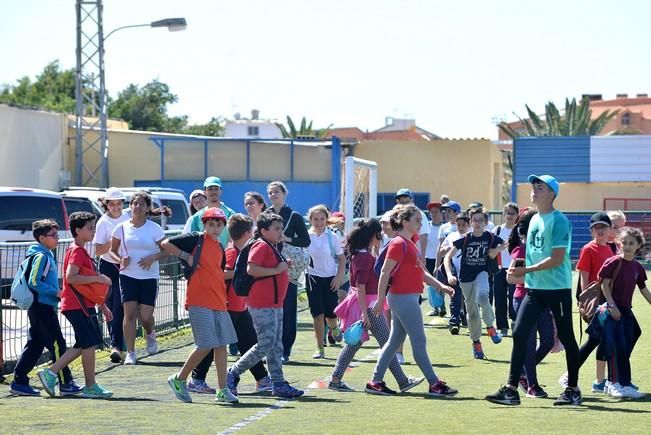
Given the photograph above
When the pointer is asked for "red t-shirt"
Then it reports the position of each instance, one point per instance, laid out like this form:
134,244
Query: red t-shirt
591,258
408,278
235,303
519,252
206,288
262,291
78,256
362,271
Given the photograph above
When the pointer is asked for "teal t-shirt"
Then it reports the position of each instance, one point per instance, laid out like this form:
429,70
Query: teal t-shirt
546,232
197,223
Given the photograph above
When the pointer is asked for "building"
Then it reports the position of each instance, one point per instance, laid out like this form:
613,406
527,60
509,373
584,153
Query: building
253,128
634,116
397,129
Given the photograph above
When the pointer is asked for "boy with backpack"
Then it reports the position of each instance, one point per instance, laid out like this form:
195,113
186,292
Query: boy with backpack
212,328
44,329
80,271
261,275
477,248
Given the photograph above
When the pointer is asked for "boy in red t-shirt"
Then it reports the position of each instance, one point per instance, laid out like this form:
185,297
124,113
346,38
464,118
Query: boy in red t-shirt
79,269
206,303
265,301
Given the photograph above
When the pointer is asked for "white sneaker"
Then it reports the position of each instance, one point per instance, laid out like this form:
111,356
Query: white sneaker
616,390
607,387
631,393
130,359
152,344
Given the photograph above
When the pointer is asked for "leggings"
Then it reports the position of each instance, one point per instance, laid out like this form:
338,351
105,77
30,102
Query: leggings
545,327
380,329
114,303
406,320
534,303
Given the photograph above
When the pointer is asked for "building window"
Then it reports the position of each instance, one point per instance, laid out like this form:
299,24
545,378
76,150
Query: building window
626,119
253,131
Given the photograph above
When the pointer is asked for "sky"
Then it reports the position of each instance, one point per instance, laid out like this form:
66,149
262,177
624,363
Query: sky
457,67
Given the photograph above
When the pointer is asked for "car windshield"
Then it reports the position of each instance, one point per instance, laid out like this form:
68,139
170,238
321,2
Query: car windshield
179,211
18,212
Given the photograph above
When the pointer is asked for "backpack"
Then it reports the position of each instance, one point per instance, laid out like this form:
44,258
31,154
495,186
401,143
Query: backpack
592,296
196,255
21,293
242,281
379,261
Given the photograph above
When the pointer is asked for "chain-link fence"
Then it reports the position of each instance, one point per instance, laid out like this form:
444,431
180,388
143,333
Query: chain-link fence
169,315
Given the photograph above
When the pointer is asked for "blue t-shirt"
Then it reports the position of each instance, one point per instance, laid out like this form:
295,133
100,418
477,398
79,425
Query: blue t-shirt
546,232
474,255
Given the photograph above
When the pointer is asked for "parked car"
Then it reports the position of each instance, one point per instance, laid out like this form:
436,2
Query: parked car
172,198
79,203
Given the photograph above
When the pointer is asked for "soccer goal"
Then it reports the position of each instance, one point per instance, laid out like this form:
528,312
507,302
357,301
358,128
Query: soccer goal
359,190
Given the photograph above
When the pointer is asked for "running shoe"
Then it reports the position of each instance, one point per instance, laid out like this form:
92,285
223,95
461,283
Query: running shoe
434,312
571,396
337,334
116,356
96,392
632,393
536,392
454,329
505,396
401,358
130,359
49,380
379,388
24,390
442,311
340,386
494,335
286,391
231,381
598,387
477,351
523,383
504,332
70,389
441,389
263,385
319,354
412,381
224,395
200,386
152,343
179,388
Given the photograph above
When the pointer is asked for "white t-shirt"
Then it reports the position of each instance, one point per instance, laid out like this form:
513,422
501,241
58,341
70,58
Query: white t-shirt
321,248
433,240
138,243
104,232
446,229
504,234
447,243
424,228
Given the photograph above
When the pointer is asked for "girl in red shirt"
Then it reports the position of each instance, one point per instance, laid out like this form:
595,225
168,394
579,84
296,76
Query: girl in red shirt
403,266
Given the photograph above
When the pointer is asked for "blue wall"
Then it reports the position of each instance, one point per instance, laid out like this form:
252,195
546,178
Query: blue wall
302,194
566,158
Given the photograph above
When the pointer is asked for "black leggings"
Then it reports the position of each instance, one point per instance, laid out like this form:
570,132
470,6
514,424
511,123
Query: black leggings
246,339
560,303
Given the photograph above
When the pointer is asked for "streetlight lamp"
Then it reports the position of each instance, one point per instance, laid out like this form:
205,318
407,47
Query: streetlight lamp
91,151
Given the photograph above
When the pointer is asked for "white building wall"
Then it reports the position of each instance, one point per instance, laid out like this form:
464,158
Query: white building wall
240,129
620,158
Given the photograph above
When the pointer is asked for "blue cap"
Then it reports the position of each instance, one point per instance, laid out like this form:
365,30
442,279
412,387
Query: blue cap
453,205
212,181
548,180
404,192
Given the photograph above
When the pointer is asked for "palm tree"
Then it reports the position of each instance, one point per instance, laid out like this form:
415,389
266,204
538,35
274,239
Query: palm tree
575,121
305,130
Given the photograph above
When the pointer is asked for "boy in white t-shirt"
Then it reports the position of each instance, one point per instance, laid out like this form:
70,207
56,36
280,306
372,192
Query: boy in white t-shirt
457,305
433,249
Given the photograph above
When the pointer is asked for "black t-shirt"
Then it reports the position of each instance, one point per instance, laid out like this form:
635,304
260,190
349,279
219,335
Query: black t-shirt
186,242
474,255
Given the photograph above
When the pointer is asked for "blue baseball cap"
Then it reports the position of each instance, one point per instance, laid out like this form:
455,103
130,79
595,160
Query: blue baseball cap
548,180
453,205
212,181
404,192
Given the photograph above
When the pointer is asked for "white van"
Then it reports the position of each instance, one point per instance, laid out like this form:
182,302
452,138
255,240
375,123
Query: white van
172,198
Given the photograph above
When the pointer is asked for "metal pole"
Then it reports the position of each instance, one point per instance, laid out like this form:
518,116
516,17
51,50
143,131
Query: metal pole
79,106
103,115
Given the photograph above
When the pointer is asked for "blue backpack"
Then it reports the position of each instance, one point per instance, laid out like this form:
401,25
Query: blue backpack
21,293
379,261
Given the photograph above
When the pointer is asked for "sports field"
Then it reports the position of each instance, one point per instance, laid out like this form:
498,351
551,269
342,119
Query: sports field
143,402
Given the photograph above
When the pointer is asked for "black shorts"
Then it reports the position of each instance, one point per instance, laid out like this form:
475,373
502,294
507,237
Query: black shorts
321,298
143,291
87,331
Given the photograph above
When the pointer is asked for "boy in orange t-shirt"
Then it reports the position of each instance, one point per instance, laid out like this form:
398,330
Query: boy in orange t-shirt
206,303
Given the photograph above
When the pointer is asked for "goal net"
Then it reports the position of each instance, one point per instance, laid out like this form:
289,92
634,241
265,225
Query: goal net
359,190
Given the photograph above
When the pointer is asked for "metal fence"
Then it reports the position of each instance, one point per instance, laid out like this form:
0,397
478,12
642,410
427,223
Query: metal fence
169,314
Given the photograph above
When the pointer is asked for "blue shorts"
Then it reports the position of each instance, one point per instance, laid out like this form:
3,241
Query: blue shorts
87,331
143,291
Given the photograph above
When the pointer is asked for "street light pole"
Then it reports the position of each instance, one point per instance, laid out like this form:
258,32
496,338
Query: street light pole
91,149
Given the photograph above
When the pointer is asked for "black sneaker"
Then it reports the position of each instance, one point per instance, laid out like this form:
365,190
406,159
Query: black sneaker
379,388
536,392
571,396
454,329
442,312
505,396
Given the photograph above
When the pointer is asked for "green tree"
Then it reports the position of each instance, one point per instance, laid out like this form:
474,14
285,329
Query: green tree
576,120
305,130
53,89
214,127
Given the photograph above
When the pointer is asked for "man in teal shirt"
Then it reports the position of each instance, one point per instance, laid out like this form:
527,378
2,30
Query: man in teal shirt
213,189
548,279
